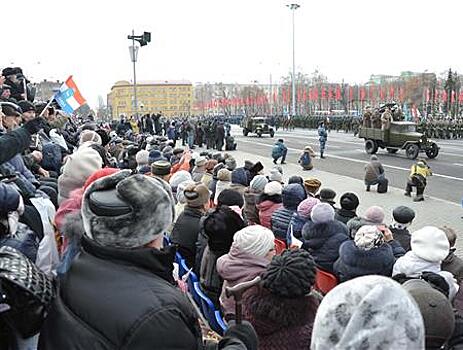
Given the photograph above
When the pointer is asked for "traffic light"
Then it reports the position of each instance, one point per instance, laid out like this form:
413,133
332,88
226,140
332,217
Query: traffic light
145,38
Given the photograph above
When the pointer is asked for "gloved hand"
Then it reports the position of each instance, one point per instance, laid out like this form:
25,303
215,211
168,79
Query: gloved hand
34,125
244,332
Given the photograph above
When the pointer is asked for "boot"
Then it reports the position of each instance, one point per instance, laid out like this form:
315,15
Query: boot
407,194
418,198
368,188
274,161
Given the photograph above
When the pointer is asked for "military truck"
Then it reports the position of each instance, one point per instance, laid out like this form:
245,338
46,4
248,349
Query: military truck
400,135
256,125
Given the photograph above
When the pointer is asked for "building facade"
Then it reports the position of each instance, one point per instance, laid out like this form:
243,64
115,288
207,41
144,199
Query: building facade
168,97
46,89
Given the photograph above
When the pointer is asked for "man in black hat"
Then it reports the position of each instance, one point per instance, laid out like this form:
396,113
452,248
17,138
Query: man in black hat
16,87
11,117
28,110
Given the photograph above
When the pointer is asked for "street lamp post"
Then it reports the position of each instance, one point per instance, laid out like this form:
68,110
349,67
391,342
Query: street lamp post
293,8
143,40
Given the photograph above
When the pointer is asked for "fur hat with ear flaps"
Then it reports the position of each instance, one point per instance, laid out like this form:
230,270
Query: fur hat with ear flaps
127,211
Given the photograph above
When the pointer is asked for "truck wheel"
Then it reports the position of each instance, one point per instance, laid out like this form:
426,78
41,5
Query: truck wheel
272,133
245,132
412,151
392,150
432,151
371,147
259,133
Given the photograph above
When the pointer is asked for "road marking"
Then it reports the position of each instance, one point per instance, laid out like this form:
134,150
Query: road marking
357,160
458,164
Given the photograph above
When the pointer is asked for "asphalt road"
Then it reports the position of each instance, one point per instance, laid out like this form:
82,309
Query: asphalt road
345,155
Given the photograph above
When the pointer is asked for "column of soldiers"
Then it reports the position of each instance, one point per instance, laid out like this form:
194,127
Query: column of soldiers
442,128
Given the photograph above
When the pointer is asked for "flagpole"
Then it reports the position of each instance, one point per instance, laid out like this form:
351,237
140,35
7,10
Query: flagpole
48,105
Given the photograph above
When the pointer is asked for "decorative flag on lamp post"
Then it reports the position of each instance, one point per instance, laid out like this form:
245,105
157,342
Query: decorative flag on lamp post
69,97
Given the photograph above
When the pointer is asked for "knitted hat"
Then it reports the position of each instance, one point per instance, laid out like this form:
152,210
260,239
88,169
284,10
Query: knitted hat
127,211
305,207
322,213
430,244
142,157
312,185
224,175
197,195
368,237
258,183
349,201
89,135
200,161
403,214
293,195
255,240
179,177
238,176
273,188
9,199
230,198
291,274
375,214
327,195
437,312
369,312
161,168
295,179
275,175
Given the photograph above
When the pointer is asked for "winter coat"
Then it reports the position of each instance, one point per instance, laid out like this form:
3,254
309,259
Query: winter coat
280,222
297,223
250,207
267,207
454,265
402,236
185,233
171,134
281,324
373,170
323,242
13,143
344,215
355,262
210,280
236,267
197,174
238,188
278,149
145,310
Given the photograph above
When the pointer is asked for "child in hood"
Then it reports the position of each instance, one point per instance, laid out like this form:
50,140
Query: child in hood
305,160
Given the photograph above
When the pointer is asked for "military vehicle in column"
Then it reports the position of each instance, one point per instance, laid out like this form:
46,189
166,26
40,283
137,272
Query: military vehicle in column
399,135
256,125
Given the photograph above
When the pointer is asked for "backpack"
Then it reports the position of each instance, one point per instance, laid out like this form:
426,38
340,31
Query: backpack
52,156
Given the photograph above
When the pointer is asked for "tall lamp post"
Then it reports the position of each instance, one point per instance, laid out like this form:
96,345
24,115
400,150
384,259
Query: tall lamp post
143,39
293,8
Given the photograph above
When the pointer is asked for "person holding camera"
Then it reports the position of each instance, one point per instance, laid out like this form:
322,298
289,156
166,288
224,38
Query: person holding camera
418,175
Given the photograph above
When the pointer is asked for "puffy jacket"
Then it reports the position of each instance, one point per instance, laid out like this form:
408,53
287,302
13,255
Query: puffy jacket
323,242
250,207
278,149
280,222
267,208
297,223
120,299
13,142
185,233
355,262
209,278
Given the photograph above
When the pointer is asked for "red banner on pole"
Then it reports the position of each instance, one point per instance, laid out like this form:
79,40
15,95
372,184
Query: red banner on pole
338,93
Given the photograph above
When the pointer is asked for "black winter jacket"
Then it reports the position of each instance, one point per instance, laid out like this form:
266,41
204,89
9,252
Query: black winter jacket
402,236
185,233
323,242
13,142
120,299
355,262
344,215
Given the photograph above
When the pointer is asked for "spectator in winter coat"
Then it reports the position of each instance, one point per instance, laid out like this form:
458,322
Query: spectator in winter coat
306,158
327,195
186,228
281,309
403,217
218,228
268,202
213,184
252,250
239,180
452,263
369,312
374,172
373,216
438,315
176,179
142,158
122,256
199,170
349,203
430,247
251,196
372,252
301,217
223,182
292,196
323,237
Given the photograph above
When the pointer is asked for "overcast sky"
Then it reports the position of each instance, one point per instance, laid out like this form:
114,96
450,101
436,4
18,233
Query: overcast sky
229,41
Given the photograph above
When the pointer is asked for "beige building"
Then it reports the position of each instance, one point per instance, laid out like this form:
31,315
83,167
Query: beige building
169,97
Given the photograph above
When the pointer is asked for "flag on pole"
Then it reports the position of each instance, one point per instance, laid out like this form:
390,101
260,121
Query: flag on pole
69,97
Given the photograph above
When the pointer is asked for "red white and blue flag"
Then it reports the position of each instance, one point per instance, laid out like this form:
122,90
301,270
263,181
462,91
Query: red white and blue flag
69,97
